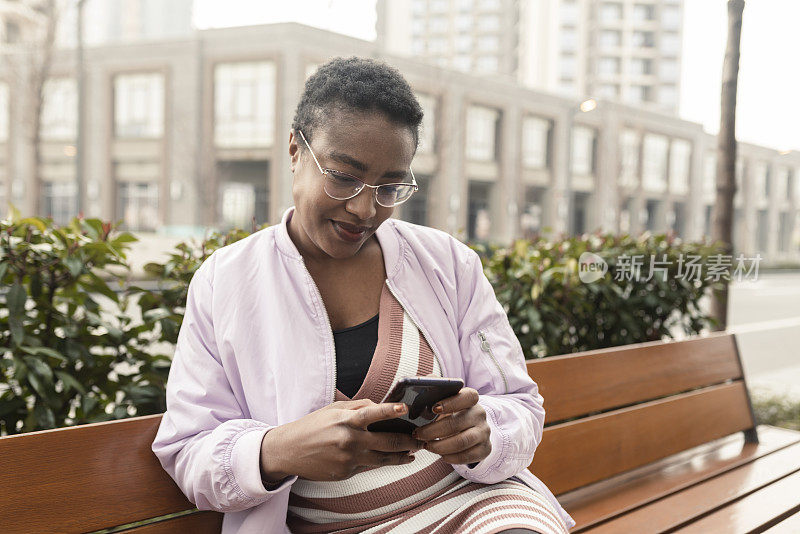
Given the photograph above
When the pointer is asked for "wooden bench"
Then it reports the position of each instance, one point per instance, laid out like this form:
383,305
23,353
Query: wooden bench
655,437
661,437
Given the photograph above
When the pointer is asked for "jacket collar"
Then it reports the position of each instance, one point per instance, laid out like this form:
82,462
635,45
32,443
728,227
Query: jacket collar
386,233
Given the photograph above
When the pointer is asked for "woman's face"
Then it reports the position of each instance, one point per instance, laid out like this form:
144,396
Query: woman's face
366,145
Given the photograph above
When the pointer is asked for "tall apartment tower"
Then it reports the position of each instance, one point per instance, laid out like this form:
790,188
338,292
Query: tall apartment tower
477,36
622,50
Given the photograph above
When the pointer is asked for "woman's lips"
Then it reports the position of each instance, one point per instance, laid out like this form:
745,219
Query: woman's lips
349,232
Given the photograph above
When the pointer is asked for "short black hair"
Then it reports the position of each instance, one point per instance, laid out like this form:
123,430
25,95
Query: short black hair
357,84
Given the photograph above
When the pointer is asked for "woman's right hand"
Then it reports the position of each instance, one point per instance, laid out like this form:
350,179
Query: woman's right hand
332,443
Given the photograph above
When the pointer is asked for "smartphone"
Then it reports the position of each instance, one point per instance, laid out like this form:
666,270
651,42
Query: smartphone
420,394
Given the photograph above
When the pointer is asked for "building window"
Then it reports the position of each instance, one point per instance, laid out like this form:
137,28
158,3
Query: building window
568,67
644,12
532,217
482,126
535,142
244,104
671,18
488,44
782,183
478,211
610,39
570,14
639,93
678,219
760,178
583,150
137,205
487,64
608,66
464,23
59,201
580,212
415,209
668,95
784,231
653,214
489,23
641,66
610,12
679,166
243,193
139,105
629,140
654,163
438,24
4,112
462,63
762,230
670,44
437,45
668,70
60,109
643,39
427,133
569,40
609,91
464,44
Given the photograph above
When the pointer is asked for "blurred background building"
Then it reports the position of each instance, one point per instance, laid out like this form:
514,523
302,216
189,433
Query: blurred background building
187,129
622,50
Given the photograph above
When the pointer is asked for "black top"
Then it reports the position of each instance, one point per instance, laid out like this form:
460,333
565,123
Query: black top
354,349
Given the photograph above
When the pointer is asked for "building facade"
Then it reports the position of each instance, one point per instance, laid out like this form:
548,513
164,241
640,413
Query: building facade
192,133
619,50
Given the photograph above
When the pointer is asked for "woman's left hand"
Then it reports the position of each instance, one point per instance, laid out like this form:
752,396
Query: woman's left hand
461,429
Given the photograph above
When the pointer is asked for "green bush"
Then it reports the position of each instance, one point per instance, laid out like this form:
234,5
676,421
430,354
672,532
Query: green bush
553,312
71,353
79,346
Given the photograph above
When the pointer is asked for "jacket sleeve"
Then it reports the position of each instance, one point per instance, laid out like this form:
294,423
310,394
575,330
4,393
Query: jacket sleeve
494,365
205,442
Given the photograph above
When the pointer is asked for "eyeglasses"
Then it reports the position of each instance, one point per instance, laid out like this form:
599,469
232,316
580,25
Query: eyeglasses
343,186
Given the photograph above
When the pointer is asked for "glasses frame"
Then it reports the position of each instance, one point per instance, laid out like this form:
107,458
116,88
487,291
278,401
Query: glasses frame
375,187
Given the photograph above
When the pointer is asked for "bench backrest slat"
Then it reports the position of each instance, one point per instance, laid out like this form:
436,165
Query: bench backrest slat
580,452
575,385
616,409
85,478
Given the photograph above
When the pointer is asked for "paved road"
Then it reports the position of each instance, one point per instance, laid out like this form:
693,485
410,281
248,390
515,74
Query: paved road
765,314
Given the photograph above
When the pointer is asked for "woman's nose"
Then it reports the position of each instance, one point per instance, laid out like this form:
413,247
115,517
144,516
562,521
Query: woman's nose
363,204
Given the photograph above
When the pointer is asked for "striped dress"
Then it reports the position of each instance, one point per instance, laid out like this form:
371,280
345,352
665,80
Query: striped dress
426,495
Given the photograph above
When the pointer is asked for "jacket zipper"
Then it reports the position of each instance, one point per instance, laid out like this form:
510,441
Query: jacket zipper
330,329
485,347
416,323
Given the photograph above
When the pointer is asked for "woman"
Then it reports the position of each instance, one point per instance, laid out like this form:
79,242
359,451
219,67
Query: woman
292,336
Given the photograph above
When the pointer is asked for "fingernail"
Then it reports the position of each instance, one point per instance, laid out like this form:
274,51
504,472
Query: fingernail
437,408
399,408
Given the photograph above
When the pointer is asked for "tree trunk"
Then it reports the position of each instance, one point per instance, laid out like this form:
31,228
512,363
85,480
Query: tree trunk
722,229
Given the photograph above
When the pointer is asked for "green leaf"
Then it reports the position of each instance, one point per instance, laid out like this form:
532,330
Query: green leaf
15,299
70,381
45,351
75,265
34,221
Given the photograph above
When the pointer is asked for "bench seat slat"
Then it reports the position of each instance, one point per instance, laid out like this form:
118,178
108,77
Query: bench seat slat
575,385
577,453
609,498
791,524
204,522
762,509
86,478
693,502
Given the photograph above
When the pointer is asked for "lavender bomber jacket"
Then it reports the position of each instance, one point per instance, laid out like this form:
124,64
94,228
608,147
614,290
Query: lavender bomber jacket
256,351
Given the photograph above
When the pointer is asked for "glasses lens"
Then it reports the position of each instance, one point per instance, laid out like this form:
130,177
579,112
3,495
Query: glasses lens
394,194
341,186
